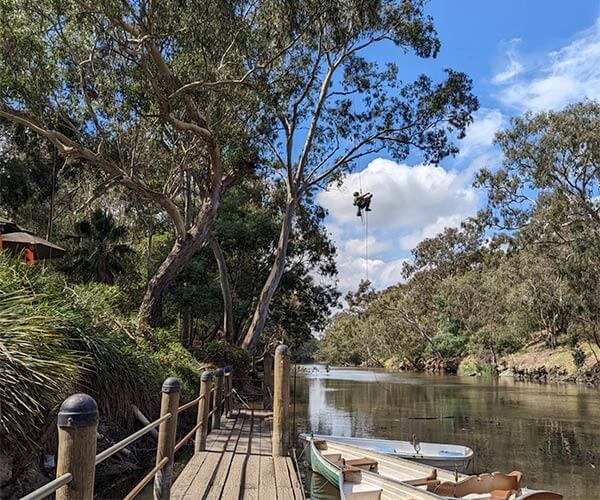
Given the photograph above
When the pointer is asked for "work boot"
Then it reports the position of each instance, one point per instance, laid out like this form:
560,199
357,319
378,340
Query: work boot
358,213
367,209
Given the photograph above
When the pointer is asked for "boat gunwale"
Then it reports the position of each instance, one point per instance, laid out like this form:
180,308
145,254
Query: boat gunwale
465,457
373,475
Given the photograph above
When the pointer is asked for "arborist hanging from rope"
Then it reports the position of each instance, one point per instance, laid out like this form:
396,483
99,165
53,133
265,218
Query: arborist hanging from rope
363,202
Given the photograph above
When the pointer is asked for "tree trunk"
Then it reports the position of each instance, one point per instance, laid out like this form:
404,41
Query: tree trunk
186,327
228,325
261,312
150,311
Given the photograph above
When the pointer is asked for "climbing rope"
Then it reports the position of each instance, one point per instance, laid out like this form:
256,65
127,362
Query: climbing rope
366,245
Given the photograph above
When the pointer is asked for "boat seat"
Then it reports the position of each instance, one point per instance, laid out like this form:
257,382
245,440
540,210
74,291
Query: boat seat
362,492
336,458
363,463
320,444
431,481
484,483
351,474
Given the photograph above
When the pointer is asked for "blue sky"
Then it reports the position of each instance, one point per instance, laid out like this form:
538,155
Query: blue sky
523,56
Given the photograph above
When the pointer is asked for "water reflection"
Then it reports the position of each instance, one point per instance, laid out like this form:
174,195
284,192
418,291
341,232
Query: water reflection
550,432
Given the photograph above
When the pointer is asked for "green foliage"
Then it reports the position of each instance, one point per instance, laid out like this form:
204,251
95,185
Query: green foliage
99,252
57,339
36,365
176,361
221,353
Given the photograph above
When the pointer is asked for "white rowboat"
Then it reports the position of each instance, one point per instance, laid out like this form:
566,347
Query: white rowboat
364,474
446,456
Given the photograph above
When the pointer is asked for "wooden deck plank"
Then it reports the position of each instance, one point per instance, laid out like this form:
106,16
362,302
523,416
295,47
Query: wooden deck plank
295,480
266,485
204,478
233,486
182,483
282,479
221,476
252,468
238,464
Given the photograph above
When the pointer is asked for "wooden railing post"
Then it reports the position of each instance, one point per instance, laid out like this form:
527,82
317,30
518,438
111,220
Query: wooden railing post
281,400
77,427
228,390
166,438
218,400
203,409
268,380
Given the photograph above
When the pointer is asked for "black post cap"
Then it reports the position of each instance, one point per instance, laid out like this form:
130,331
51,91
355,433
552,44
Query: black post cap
171,385
206,376
227,369
78,410
219,372
282,350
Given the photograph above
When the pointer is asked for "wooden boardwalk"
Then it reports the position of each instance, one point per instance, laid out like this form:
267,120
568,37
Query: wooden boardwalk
238,463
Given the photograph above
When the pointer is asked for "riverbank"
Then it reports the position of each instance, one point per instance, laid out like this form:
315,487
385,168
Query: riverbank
540,363
537,362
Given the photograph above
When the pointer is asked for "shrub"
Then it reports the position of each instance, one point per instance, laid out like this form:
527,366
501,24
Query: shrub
177,361
221,353
578,357
56,340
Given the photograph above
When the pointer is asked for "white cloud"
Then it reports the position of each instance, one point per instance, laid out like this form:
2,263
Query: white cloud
569,74
410,240
513,66
357,247
403,196
381,273
409,204
480,134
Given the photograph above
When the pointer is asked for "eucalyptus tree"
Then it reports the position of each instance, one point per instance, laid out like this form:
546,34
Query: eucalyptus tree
169,99
108,84
333,102
547,191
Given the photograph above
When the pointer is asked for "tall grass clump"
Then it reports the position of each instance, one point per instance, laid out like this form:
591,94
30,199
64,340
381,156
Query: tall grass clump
37,367
56,339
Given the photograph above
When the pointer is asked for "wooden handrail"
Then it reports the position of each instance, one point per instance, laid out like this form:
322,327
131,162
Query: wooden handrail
190,404
146,479
115,448
189,435
49,488
74,472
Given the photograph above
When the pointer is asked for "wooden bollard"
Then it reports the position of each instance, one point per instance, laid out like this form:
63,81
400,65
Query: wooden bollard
169,403
77,427
217,402
228,390
281,400
268,380
203,409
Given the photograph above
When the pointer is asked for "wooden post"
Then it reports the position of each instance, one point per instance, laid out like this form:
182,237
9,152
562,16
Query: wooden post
281,400
166,438
228,391
268,380
217,403
203,409
77,427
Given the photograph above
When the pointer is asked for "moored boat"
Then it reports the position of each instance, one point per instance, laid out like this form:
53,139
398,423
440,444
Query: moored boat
369,475
445,456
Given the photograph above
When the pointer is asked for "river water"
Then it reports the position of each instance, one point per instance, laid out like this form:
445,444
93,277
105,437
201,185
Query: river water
550,432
